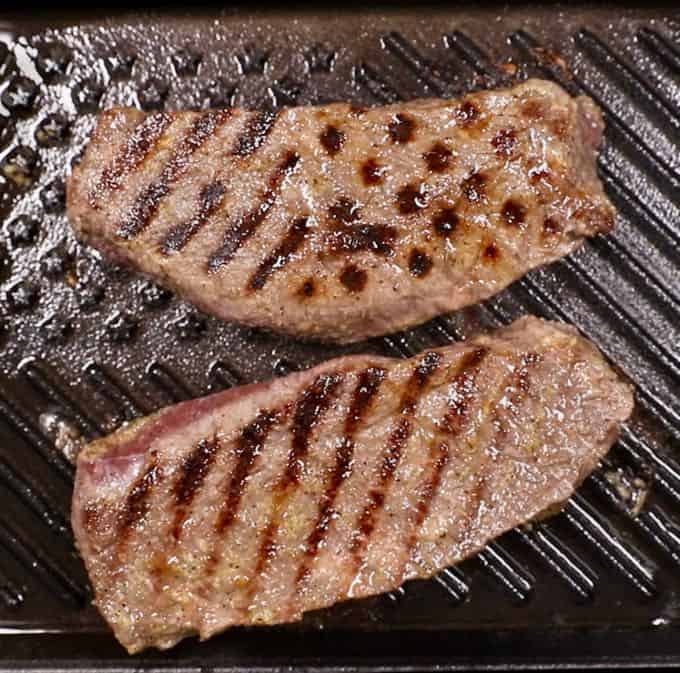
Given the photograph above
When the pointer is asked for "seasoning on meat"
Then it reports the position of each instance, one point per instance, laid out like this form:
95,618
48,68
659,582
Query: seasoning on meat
255,505
234,209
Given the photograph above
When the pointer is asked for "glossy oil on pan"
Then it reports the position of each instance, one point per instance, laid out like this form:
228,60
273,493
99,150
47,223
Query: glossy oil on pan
85,346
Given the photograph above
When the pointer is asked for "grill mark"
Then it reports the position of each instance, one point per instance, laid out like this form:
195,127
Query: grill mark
438,157
519,380
353,278
372,172
307,289
245,226
138,148
457,415
193,472
290,244
411,198
309,409
419,263
392,454
332,139
438,459
255,133
445,222
209,201
248,448
344,211
513,213
362,398
376,238
137,502
148,202
401,129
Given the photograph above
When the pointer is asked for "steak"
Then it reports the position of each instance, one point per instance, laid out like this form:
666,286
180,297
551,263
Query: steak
255,505
339,223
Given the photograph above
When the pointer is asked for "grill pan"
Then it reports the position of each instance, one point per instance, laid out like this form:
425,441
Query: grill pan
85,346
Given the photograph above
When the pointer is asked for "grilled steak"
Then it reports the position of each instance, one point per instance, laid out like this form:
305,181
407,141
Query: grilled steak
340,223
257,504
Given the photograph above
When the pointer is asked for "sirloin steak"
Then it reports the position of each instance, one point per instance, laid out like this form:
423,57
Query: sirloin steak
337,222
255,505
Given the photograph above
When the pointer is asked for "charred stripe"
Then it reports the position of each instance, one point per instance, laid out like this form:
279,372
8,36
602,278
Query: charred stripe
209,201
309,409
256,132
137,149
192,473
137,503
244,227
248,448
147,204
290,244
393,450
461,394
362,398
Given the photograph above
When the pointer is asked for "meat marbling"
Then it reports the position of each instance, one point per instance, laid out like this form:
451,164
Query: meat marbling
255,505
339,223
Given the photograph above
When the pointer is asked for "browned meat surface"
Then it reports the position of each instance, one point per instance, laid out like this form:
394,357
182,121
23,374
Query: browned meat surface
255,505
340,223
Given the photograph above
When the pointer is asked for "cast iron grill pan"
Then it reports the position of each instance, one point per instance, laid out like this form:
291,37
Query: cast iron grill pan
85,346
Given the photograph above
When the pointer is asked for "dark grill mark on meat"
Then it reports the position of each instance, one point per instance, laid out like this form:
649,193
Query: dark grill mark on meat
148,203
307,289
504,142
244,227
367,388
411,199
438,157
248,448
332,140
513,213
192,474
491,253
537,175
138,147
519,384
353,278
474,188
376,238
309,409
445,222
467,113
396,442
255,133
137,502
462,392
290,244
371,172
419,263
344,211
437,459
401,128
209,201
551,226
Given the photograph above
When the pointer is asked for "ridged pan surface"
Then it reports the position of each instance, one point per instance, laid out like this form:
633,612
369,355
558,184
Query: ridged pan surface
85,346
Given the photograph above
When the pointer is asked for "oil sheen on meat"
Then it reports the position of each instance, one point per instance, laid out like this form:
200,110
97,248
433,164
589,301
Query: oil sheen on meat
339,223
255,505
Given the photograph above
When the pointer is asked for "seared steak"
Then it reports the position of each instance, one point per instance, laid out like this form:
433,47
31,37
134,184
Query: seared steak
340,223
257,504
